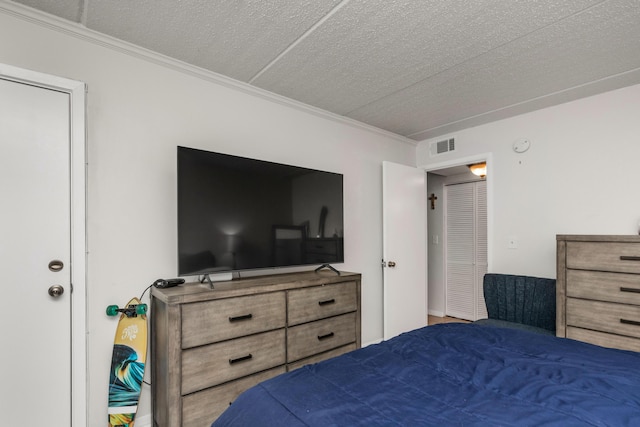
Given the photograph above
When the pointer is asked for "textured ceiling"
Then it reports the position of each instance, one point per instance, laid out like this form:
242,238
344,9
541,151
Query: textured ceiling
418,68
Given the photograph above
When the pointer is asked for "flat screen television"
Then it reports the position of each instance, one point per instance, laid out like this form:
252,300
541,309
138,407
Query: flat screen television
236,213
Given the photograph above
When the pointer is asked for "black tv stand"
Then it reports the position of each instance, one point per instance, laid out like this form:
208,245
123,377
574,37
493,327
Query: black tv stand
218,276
327,266
208,279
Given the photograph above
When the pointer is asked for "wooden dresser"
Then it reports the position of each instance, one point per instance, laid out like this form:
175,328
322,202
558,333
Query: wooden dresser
208,346
598,290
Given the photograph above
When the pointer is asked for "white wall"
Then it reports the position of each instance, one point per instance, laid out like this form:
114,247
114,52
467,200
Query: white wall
435,252
138,112
580,176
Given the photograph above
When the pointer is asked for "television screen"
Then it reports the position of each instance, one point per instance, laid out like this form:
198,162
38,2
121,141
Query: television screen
236,213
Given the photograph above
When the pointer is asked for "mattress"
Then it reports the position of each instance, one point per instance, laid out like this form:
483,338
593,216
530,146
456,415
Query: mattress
453,375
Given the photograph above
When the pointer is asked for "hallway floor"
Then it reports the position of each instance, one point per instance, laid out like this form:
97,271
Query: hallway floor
434,320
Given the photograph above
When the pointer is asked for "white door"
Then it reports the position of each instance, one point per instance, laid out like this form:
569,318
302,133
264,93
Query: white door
35,242
466,254
404,233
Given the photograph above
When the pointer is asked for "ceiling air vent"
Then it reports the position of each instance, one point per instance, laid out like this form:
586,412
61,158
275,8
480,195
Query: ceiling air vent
444,146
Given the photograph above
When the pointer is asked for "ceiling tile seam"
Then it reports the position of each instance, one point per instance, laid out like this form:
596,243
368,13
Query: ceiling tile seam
84,7
298,40
518,104
475,57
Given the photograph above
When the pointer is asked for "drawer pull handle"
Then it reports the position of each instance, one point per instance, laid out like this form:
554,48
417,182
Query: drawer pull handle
634,290
240,359
240,318
325,336
630,322
629,258
327,302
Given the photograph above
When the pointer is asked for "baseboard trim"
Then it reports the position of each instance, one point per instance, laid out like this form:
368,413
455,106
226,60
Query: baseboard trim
378,341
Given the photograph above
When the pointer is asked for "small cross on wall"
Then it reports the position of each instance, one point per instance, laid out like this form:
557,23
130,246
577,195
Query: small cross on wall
433,199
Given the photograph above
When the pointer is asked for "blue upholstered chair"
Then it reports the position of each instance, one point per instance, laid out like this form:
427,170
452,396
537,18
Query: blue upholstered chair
520,302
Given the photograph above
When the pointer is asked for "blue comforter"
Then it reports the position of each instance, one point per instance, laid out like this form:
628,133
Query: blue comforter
453,375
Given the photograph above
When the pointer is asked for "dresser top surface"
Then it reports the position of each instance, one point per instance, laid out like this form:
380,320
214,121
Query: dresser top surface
194,292
627,238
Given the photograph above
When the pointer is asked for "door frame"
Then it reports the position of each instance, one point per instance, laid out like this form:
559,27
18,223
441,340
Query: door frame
463,161
78,264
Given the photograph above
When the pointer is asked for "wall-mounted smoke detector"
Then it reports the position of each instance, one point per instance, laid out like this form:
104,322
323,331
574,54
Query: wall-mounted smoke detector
441,147
521,145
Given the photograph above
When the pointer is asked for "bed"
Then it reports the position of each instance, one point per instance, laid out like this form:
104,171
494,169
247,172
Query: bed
453,374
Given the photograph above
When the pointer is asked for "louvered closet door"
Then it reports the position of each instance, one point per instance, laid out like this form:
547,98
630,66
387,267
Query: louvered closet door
460,256
466,227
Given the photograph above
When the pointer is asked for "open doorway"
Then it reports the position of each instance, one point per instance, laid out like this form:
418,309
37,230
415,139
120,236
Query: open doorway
457,242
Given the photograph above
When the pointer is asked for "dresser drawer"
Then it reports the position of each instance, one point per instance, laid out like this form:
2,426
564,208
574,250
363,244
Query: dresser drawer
322,356
320,302
610,317
597,285
603,339
214,364
604,256
322,335
201,408
212,321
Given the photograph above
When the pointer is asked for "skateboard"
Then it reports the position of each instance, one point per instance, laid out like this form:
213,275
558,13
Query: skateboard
127,362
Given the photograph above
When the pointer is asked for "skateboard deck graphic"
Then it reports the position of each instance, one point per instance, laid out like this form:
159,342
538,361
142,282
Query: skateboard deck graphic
127,363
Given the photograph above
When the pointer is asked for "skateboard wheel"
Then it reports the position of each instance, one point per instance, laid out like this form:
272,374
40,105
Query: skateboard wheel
112,310
141,309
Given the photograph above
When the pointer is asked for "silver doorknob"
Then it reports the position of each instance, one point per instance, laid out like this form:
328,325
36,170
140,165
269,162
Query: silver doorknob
56,290
391,264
